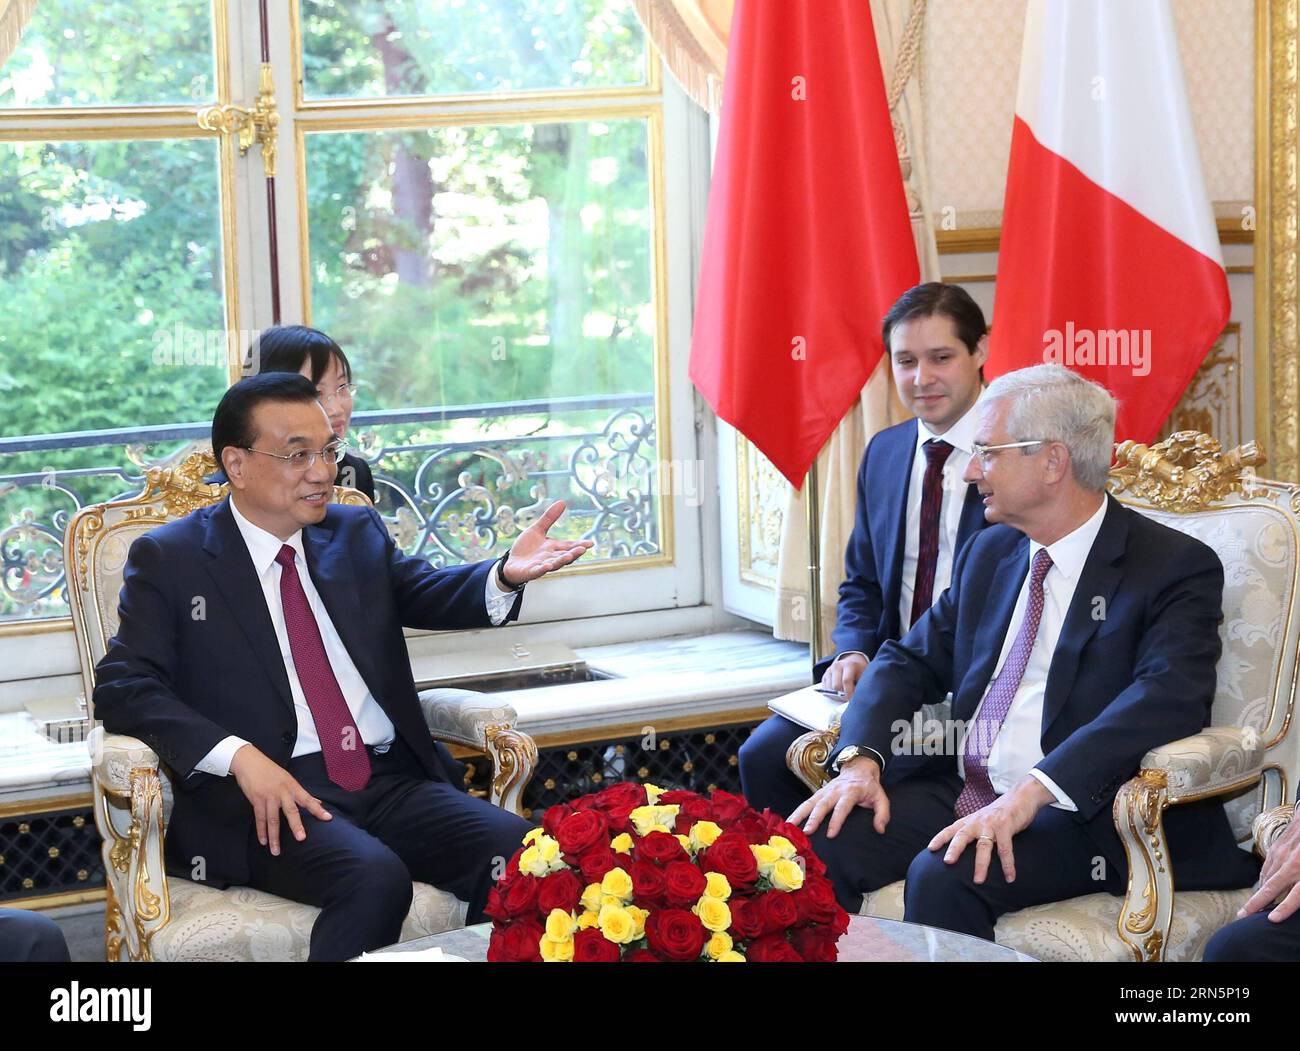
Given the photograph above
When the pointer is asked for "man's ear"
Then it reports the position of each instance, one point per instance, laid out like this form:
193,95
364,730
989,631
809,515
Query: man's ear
1058,462
982,350
233,460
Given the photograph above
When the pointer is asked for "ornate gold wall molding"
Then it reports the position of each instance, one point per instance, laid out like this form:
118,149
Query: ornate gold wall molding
1277,353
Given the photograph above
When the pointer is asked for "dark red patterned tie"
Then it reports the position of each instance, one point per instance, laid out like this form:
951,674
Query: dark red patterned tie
978,790
927,558
340,740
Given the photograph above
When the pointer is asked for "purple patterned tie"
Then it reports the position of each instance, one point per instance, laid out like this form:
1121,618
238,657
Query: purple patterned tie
978,790
927,556
346,761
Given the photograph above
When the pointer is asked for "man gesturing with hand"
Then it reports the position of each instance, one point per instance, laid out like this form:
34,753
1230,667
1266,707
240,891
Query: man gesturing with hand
260,653
1075,636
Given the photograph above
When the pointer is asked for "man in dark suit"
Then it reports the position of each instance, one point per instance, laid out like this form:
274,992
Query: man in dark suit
1075,636
260,654
914,511
29,937
1272,936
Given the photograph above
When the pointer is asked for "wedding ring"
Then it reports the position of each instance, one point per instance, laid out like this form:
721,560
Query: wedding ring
989,838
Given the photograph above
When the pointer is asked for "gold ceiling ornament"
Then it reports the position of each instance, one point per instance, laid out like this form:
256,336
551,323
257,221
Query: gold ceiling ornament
261,124
1187,471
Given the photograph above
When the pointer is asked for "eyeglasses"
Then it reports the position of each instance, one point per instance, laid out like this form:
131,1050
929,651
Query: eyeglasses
304,459
982,451
344,392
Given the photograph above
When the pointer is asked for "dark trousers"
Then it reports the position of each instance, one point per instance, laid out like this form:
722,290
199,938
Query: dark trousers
765,780
357,867
29,937
1256,938
1055,859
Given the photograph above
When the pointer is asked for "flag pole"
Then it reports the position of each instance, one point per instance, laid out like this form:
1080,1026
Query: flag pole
814,566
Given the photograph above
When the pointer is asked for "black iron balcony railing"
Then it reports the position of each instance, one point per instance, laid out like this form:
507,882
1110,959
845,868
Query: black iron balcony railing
455,484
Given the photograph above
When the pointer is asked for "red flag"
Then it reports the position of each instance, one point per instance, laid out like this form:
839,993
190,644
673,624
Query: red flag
1110,261
808,241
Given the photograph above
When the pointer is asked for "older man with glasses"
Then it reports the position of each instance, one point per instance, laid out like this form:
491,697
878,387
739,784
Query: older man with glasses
1075,636
260,653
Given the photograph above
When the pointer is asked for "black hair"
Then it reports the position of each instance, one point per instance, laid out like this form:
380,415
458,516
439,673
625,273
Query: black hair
284,348
232,422
935,298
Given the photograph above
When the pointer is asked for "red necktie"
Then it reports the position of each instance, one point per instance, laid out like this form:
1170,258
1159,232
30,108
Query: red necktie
927,558
978,790
340,740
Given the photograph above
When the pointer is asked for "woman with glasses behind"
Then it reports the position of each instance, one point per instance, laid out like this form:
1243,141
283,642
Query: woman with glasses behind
311,353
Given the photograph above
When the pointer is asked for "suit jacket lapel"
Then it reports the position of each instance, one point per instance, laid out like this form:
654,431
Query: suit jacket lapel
972,517
1004,589
231,570
335,582
1092,596
893,501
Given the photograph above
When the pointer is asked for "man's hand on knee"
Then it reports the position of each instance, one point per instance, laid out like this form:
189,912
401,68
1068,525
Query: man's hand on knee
272,790
858,784
1279,878
994,826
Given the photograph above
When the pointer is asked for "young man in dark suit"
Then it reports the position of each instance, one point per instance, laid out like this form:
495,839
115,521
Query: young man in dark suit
914,511
1076,635
29,937
260,654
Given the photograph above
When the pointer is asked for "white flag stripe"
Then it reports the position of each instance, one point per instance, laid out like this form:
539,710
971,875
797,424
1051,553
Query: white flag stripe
1101,85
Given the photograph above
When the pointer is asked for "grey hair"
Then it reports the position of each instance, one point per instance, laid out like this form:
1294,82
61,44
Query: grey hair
1057,405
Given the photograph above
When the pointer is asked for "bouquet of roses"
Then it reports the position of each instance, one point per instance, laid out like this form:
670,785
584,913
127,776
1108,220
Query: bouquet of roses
637,873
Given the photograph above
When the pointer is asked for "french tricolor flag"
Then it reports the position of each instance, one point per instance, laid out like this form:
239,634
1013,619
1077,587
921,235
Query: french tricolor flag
1110,261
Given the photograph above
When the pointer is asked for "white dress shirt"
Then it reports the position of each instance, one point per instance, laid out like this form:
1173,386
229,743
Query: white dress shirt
374,726
959,436
1017,749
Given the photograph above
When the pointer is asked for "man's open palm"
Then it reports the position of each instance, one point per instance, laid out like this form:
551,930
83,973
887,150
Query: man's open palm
535,554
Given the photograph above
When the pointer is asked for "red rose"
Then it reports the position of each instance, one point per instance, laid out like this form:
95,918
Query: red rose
751,826
553,816
495,909
660,848
815,901
779,826
559,890
590,946
815,944
641,956
516,943
679,797
624,795
772,948
727,807
579,832
619,818
746,918
691,811
683,884
521,896
676,934
730,855
512,868
647,883
596,862
779,912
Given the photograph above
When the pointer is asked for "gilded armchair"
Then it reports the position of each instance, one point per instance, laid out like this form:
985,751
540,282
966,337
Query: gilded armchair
1247,756
151,916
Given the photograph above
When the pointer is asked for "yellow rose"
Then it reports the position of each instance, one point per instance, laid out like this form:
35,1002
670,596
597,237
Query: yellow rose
638,918
647,819
560,925
718,886
714,913
617,884
686,843
588,919
703,833
549,850
653,792
556,951
787,875
730,957
766,857
783,846
719,944
532,862
617,924
533,833
621,844
591,897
